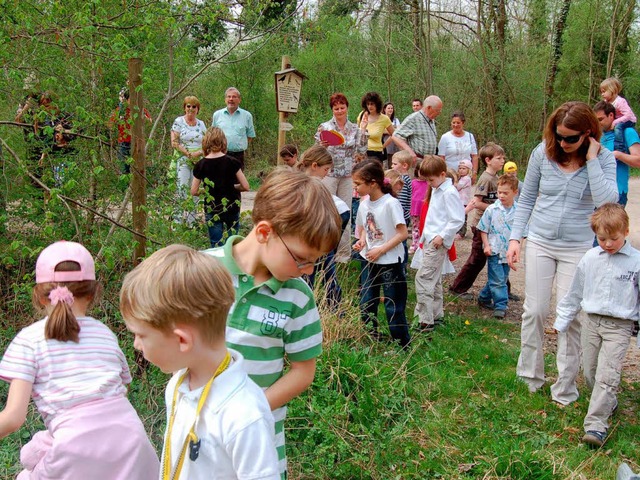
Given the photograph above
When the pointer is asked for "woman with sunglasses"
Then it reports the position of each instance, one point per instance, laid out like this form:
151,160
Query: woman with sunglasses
187,133
568,175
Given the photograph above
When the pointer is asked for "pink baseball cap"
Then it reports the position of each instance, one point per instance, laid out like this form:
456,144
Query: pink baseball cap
466,163
63,251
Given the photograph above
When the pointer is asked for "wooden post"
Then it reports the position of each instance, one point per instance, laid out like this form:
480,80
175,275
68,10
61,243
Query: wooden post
282,117
138,182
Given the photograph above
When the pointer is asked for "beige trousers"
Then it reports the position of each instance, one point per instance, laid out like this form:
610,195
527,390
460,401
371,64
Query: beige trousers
543,266
429,285
605,341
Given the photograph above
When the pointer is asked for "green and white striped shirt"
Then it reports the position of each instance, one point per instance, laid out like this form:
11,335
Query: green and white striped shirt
268,322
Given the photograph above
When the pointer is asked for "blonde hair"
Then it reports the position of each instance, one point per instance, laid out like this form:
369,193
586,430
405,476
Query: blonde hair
611,85
403,156
214,141
61,322
394,178
315,154
191,100
178,284
299,205
610,218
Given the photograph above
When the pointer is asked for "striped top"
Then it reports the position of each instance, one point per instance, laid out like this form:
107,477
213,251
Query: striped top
67,374
557,205
267,323
405,197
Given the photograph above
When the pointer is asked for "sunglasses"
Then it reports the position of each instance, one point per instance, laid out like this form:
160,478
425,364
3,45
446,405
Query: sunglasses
571,139
191,106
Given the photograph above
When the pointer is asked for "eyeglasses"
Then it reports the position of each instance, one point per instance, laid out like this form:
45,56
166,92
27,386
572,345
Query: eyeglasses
570,139
191,106
301,265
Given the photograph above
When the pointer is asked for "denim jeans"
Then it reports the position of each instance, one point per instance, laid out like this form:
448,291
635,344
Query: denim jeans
495,290
619,142
124,152
394,285
216,224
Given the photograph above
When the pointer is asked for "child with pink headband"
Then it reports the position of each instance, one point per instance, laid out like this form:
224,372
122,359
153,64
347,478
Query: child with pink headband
73,368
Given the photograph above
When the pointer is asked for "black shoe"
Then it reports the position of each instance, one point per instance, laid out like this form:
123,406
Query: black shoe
463,296
634,329
514,297
438,321
486,305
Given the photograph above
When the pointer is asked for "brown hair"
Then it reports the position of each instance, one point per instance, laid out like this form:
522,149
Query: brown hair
214,141
458,114
178,284
289,150
61,323
371,171
191,100
373,97
510,181
338,98
576,116
610,218
490,150
606,107
315,154
432,165
299,205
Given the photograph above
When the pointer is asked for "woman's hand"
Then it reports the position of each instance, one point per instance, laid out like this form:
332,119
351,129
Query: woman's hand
513,254
594,148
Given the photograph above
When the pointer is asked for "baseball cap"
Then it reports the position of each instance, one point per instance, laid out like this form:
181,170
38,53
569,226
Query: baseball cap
510,167
63,251
466,163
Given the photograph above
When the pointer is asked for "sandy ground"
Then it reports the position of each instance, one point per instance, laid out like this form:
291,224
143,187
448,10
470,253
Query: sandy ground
632,361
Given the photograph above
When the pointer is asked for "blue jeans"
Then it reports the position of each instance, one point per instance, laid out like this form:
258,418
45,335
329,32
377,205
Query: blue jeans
124,152
495,290
355,204
619,142
394,285
216,224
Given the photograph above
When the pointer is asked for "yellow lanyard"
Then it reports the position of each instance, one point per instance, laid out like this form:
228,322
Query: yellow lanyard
192,440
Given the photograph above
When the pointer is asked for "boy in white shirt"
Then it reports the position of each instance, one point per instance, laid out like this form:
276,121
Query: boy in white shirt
606,286
219,424
444,219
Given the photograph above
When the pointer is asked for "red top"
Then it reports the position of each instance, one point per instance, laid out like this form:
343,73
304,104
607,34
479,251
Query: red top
423,215
124,127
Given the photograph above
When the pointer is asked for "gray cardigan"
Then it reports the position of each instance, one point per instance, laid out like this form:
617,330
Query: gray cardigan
557,205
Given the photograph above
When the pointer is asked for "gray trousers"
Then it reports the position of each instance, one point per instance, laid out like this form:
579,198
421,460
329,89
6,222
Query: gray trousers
429,285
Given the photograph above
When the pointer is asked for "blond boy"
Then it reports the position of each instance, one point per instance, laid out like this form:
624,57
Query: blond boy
606,286
175,303
274,317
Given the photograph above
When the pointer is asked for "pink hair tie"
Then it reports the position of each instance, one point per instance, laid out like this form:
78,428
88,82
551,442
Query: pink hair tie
387,181
61,294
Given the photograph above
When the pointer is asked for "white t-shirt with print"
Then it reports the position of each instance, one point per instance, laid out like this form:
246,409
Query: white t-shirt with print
378,220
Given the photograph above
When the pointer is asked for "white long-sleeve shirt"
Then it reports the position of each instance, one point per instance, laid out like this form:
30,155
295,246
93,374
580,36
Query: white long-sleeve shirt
603,284
445,215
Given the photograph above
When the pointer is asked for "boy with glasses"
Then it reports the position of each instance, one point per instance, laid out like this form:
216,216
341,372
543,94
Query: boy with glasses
274,317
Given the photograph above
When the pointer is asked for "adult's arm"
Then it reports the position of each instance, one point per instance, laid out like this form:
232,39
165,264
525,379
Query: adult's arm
569,306
175,143
601,169
633,141
402,143
195,186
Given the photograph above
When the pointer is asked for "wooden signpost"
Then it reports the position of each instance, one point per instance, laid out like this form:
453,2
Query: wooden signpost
288,83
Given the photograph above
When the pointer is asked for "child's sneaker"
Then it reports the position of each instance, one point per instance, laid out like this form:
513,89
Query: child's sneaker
484,304
594,438
499,314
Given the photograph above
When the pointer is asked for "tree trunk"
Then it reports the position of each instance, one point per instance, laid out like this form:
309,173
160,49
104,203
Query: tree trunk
138,180
556,54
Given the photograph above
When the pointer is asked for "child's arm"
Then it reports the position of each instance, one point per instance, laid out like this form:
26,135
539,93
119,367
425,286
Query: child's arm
485,243
291,384
15,412
195,187
401,234
243,184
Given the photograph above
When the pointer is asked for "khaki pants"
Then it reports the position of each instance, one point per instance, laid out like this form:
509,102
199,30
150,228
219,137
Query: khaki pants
543,265
429,285
342,187
605,341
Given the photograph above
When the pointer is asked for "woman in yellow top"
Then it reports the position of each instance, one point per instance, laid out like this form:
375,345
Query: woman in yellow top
376,123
